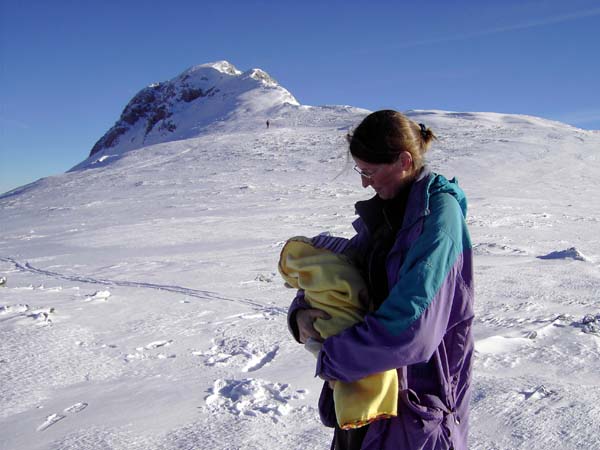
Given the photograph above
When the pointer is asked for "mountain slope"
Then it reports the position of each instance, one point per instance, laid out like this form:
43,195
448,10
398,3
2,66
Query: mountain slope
143,309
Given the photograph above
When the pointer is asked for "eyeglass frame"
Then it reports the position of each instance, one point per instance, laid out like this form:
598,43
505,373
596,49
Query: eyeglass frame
362,173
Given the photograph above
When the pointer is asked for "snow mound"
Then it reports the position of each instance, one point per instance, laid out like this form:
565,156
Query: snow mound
570,253
500,344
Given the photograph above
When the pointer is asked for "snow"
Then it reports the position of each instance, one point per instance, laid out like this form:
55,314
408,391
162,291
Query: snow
142,308
221,66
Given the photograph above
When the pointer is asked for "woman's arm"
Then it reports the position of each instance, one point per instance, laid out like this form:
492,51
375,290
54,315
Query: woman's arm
413,320
300,315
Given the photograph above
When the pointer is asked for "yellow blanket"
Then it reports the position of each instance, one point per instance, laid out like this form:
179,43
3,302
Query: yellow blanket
331,283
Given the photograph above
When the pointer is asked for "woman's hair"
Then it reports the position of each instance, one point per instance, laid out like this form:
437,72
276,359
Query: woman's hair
383,135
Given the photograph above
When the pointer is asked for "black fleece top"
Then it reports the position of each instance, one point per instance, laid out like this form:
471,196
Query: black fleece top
384,220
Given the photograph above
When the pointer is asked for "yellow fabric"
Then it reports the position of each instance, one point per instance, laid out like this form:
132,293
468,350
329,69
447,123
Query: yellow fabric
331,283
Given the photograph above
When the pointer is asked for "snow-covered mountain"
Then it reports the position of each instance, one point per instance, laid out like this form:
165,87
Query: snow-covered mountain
203,96
142,308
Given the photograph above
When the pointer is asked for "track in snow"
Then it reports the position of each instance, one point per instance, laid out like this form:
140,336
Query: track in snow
197,293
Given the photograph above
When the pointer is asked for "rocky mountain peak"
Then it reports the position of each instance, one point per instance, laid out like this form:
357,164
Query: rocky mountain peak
191,102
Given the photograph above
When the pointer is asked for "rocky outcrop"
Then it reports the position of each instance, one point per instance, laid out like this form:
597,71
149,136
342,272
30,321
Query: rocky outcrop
170,110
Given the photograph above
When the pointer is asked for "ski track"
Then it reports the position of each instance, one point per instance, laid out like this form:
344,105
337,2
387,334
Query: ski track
206,295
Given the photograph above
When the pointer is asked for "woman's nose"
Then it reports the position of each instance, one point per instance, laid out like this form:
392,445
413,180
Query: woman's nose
366,182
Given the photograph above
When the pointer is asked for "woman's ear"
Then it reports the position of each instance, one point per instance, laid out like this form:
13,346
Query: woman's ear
406,161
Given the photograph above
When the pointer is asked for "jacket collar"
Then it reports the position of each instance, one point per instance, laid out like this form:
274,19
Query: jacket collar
418,200
417,206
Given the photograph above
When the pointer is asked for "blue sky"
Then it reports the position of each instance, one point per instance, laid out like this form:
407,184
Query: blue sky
68,68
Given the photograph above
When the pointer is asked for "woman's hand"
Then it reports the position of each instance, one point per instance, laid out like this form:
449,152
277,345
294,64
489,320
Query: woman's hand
305,319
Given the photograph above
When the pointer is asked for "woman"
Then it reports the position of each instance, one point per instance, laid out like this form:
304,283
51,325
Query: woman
413,248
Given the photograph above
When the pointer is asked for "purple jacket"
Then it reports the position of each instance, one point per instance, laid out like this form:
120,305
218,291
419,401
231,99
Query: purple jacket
423,328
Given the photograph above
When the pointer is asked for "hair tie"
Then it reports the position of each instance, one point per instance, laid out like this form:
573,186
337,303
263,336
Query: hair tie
423,130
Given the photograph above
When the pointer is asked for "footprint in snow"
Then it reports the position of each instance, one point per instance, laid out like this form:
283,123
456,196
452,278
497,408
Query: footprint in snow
238,352
76,408
57,417
42,316
538,393
252,397
158,344
589,324
98,297
50,420
142,352
13,309
259,360
262,278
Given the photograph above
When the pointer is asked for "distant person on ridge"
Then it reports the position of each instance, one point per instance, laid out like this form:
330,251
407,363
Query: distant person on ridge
268,124
414,250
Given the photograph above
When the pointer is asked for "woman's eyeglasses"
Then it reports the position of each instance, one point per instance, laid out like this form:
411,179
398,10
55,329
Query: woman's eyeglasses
364,174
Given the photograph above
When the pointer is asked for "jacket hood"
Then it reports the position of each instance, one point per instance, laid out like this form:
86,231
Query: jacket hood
440,185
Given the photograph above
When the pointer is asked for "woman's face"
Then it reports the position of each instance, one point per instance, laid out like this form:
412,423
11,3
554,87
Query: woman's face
386,179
